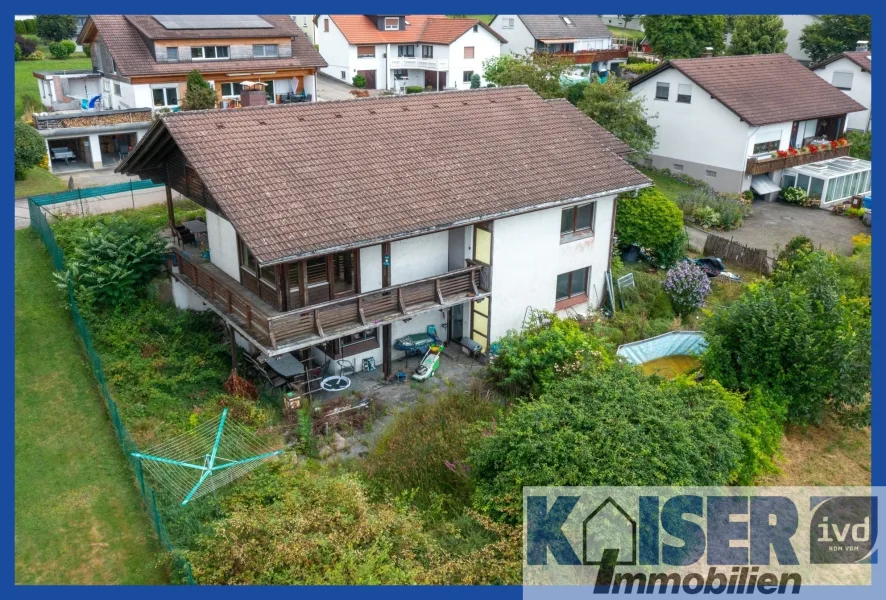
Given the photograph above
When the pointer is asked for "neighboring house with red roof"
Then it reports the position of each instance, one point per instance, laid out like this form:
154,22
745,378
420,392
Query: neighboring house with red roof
383,216
724,120
584,39
851,73
140,65
393,52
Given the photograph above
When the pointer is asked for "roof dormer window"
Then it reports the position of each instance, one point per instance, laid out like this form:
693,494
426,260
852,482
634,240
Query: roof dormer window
567,20
392,23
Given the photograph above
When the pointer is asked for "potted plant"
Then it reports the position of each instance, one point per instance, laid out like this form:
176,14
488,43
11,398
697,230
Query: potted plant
812,148
782,153
792,151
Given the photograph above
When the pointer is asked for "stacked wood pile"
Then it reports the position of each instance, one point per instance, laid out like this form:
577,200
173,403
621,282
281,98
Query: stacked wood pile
64,122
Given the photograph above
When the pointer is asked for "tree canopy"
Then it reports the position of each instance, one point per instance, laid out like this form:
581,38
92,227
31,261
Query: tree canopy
684,36
30,148
618,111
56,28
833,34
758,34
198,95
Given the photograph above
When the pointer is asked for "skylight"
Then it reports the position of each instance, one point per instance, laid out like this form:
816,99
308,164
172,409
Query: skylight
567,20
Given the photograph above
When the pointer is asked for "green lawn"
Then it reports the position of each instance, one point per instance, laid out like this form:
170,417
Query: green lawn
26,83
668,186
79,517
621,32
39,181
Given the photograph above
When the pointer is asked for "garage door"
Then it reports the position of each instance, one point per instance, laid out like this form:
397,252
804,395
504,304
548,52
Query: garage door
370,79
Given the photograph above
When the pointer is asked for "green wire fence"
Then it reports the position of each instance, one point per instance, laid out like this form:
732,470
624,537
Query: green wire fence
93,192
42,227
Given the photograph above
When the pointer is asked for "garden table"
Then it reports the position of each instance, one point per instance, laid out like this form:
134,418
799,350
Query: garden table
286,365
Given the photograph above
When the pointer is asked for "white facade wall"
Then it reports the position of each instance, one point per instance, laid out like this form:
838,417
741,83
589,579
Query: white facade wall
860,92
527,256
520,41
222,244
795,24
419,257
306,24
485,46
336,50
370,268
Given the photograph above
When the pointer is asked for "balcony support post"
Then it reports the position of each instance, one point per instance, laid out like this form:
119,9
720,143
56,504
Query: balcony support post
233,334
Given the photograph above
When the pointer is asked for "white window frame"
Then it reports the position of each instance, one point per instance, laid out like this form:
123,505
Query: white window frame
264,50
118,90
232,94
203,56
166,103
683,87
507,23
396,24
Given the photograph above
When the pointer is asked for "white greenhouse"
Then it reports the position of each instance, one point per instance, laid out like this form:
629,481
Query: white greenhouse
831,181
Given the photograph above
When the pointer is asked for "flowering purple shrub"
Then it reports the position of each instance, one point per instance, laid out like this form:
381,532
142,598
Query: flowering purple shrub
688,287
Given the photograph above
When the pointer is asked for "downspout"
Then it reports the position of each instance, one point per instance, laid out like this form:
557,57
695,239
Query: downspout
387,67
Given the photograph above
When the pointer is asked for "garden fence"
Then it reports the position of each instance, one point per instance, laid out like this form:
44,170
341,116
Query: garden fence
93,192
42,227
731,251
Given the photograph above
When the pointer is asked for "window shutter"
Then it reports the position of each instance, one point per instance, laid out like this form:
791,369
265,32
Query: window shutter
842,81
469,52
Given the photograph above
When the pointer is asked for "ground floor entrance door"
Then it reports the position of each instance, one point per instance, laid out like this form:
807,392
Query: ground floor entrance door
370,79
436,80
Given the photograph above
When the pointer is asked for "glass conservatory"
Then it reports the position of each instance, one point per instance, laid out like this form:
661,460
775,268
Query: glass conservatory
831,180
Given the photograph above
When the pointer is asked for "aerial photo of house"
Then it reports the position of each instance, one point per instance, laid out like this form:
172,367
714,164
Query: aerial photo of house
350,299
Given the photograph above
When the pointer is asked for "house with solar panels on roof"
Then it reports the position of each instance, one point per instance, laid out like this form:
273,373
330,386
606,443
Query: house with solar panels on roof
140,65
759,122
390,216
583,39
850,72
393,52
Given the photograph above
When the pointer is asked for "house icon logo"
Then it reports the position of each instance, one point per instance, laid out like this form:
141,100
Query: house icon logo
609,536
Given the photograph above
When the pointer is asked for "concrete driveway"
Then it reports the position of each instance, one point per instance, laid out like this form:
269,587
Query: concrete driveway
773,224
329,88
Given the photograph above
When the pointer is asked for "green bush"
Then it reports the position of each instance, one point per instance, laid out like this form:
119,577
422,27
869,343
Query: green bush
706,217
760,429
650,220
800,335
18,51
110,264
414,89
529,361
87,50
713,210
199,95
27,45
861,144
30,104
424,451
55,28
20,27
576,91
610,426
475,81
640,68
793,195
61,50
358,81
30,148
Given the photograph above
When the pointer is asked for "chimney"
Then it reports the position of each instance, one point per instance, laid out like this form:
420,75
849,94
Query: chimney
861,46
708,52
254,96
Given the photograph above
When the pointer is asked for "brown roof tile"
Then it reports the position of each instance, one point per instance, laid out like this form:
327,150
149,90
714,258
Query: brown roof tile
133,57
431,29
590,126
860,57
303,179
763,88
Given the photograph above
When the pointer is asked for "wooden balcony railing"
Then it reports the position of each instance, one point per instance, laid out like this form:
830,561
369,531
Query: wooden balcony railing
759,166
587,57
317,323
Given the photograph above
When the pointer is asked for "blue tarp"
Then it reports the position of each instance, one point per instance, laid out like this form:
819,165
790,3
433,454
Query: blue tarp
674,343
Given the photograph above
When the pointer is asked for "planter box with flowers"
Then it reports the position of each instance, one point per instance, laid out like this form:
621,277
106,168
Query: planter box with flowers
793,157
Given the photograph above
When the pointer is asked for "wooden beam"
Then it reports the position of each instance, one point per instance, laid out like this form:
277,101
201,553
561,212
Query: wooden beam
233,348
170,210
439,292
385,269
400,302
317,323
360,311
303,282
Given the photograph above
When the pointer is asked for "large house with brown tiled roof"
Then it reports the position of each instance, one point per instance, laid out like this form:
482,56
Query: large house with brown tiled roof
393,52
851,73
743,122
140,64
386,216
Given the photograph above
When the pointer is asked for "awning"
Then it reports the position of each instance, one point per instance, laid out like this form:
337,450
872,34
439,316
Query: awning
763,184
559,41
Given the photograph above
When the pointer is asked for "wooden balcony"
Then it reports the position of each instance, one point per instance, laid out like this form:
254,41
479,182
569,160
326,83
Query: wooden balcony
759,166
587,57
278,332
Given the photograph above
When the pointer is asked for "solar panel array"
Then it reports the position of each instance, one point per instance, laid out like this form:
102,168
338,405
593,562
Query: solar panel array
212,22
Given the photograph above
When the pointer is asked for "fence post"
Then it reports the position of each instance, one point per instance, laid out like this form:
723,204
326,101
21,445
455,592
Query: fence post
156,515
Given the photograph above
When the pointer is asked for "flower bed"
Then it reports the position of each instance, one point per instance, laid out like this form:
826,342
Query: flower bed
793,157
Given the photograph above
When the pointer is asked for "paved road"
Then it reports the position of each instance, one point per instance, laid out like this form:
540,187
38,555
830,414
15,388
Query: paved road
773,224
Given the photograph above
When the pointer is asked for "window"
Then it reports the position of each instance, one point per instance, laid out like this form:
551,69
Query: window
567,20
231,89
678,167
172,54
357,343
406,51
247,260
709,173
265,50
803,182
816,187
269,90
469,52
365,51
466,76
304,21
268,275
577,219
507,23
344,75
662,91
788,180
210,52
392,23
427,52
764,147
401,73
166,96
117,90
572,288
684,93
842,81
476,28
326,28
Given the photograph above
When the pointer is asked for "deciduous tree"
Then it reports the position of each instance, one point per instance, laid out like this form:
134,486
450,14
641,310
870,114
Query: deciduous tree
758,34
684,36
56,28
833,34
